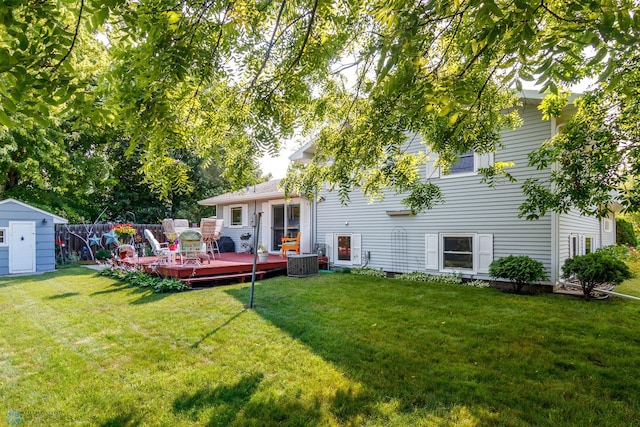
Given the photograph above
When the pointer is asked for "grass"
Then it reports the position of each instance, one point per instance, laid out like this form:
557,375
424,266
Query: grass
338,349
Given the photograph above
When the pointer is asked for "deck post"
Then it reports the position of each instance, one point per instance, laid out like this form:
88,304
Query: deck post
256,229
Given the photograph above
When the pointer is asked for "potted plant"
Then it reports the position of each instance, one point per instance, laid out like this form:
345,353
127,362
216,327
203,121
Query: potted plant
172,241
263,255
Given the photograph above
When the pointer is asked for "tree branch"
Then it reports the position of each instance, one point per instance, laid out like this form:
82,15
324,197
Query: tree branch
75,37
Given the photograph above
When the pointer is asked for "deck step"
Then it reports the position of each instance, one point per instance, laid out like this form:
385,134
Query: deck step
241,276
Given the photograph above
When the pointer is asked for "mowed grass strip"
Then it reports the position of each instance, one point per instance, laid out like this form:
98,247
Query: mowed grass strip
337,349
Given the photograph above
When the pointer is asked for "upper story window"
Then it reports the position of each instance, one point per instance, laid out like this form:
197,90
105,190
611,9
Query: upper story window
467,164
464,164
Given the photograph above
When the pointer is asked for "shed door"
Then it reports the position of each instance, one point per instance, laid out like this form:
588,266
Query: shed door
22,247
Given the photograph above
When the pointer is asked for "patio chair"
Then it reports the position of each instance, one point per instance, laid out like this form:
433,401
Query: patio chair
160,250
180,225
192,248
290,244
218,234
169,229
208,230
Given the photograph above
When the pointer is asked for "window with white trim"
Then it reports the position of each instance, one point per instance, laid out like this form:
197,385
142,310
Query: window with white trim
574,249
4,236
457,252
468,164
236,216
464,164
589,244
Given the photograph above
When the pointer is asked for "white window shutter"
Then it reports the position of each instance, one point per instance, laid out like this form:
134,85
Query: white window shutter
245,215
356,249
485,252
226,210
431,251
432,170
483,160
328,243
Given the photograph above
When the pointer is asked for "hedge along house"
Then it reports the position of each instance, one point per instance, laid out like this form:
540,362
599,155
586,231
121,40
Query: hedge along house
27,238
473,226
280,217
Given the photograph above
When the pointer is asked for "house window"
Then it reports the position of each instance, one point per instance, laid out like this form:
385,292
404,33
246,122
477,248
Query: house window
573,246
464,164
588,244
236,215
4,237
457,252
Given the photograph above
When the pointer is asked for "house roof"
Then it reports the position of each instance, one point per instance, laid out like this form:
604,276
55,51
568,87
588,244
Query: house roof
263,191
56,219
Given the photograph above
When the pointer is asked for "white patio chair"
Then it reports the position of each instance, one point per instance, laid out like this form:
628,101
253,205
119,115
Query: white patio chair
160,250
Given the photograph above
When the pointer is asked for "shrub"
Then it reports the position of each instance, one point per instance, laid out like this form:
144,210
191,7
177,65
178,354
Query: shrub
595,269
419,276
143,280
624,233
520,270
368,272
102,254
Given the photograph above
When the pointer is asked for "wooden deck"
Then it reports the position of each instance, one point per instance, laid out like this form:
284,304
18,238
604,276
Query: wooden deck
228,267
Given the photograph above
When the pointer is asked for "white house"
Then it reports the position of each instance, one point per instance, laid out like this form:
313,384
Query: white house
280,217
27,242
475,225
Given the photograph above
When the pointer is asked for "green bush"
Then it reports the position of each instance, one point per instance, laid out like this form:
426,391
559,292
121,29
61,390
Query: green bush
621,252
102,254
141,279
419,276
595,269
519,270
625,234
368,272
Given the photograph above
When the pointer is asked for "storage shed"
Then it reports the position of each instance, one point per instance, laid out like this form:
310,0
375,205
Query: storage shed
27,238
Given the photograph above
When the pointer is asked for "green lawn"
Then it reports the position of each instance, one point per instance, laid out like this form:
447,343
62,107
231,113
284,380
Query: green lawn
337,349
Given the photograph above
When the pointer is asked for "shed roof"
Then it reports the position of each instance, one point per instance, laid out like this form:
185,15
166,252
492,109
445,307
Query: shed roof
56,219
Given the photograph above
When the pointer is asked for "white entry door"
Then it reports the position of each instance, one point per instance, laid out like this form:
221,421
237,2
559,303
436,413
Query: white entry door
22,247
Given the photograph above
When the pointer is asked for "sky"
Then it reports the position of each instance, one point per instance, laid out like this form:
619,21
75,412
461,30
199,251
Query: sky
277,166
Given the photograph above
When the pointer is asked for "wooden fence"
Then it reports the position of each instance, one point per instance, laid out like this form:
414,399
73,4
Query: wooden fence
73,239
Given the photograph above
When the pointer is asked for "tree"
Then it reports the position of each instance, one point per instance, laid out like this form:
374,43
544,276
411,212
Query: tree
624,233
595,269
227,81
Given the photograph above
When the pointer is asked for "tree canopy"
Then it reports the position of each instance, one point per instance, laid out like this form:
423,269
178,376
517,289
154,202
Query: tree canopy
225,81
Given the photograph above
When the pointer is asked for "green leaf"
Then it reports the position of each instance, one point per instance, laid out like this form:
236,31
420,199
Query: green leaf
8,104
5,120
